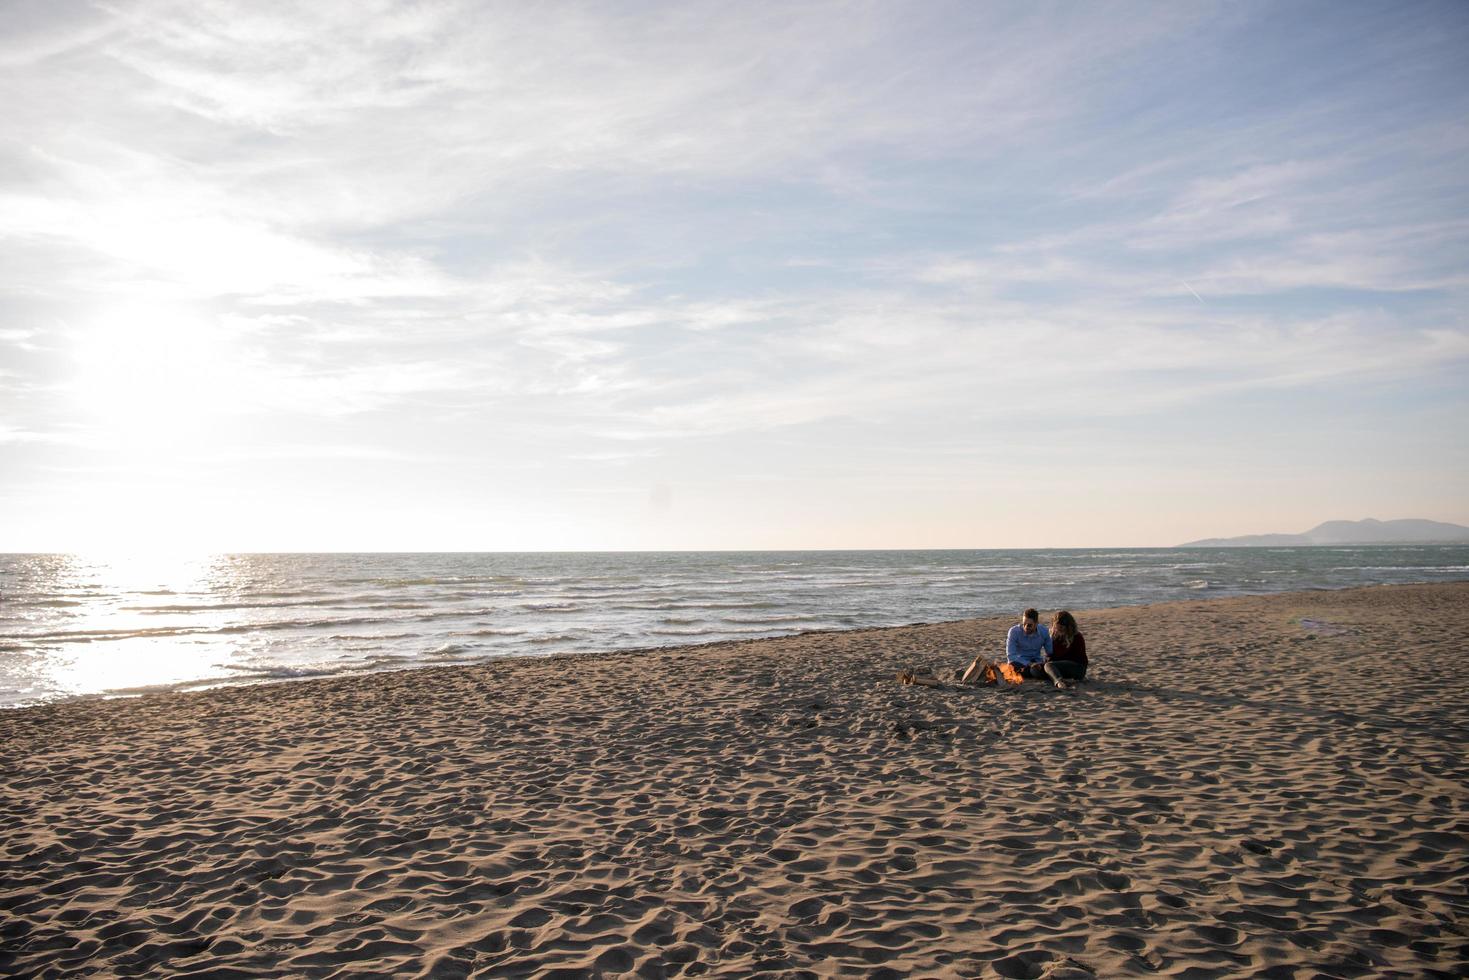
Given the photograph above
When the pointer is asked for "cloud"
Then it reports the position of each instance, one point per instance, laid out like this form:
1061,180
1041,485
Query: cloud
524,237
8,434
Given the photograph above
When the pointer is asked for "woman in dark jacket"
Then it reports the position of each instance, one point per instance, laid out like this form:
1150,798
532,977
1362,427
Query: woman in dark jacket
1067,663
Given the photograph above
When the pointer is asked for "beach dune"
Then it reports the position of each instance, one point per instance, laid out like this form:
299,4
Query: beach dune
1263,786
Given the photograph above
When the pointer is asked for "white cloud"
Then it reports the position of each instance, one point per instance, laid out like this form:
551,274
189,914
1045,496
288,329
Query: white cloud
526,236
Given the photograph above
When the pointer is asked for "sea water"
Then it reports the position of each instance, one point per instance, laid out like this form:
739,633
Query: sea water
79,626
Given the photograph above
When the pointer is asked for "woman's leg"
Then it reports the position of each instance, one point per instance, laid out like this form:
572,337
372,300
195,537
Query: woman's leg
1061,673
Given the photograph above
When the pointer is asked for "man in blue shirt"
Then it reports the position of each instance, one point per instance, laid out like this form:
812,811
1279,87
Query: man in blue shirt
1028,645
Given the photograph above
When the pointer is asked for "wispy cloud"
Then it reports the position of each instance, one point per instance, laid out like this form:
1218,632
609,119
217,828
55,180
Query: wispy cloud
524,238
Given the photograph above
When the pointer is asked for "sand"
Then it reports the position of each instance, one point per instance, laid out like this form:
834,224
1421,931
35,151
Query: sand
1267,786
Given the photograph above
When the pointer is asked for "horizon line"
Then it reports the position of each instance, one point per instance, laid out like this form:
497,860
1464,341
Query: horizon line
124,552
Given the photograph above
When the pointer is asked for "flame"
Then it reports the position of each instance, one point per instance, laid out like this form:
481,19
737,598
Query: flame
1011,674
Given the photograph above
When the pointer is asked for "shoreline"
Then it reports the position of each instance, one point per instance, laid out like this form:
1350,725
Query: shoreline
1248,783
216,684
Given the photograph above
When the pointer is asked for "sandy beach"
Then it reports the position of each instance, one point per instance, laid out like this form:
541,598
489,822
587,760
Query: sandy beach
1269,786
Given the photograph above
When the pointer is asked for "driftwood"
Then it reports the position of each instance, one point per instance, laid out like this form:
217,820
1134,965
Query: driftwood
919,677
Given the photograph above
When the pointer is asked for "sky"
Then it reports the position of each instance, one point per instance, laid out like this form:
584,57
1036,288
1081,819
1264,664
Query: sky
478,276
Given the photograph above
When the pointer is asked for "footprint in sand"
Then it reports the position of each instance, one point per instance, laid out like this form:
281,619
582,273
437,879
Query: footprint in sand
1127,943
618,959
531,918
1221,935
1029,965
807,908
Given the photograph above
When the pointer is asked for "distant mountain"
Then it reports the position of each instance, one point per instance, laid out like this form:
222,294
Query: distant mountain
1349,532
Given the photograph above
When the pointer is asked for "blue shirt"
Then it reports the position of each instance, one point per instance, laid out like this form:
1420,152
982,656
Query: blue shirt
1023,649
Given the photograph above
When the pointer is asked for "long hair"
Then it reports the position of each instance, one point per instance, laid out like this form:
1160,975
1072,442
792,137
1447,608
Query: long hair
1063,626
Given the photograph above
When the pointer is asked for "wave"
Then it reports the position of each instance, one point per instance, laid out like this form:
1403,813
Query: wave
264,594
1400,568
84,636
206,607
680,604
451,654
446,650
466,594
765,620
728,631
282,672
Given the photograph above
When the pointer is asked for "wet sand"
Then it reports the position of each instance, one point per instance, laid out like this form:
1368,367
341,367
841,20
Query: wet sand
1268,786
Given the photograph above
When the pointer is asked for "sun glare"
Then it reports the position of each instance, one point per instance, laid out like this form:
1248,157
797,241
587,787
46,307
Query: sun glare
175,569
151,521
148,375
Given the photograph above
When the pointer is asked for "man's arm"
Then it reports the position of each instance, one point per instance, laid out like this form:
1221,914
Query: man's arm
1012,649
1046,644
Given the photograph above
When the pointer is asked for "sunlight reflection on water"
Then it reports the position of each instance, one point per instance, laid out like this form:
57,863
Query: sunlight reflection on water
105,643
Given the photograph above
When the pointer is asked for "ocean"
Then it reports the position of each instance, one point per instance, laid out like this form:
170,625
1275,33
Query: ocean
76,626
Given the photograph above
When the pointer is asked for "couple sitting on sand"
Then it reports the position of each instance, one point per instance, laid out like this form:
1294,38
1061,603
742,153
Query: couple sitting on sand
1057,654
